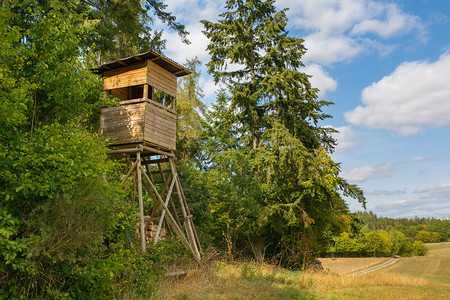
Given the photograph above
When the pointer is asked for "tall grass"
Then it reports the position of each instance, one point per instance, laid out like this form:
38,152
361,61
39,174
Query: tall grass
261,281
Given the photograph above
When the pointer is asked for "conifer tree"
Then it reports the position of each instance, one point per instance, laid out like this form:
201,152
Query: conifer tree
189,110
277,113
265,79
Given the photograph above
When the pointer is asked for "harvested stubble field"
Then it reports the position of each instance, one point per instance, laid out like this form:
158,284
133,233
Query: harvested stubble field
410,278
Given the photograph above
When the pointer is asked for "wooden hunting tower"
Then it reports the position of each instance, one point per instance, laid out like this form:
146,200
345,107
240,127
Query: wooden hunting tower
146,84
143,129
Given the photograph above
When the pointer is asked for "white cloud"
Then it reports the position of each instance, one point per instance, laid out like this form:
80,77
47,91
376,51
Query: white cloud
320,79
367,172
433,203
179,51
416,159
325,49
188,10
384,192
338,30
415,96
345,138
391,21
421,189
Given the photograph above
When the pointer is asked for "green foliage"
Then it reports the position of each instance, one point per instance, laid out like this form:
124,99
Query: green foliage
428,237
66,228
277,194
55,201
124,28
402,245
267,83
189,110
47,76
378,244
419,248
431,230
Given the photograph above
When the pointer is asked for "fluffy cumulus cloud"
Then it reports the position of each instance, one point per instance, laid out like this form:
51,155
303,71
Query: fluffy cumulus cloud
414,97
345,138
338,30
334,30
432,203
367,172
320,79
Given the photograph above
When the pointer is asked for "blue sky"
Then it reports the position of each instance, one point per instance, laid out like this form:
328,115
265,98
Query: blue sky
386,66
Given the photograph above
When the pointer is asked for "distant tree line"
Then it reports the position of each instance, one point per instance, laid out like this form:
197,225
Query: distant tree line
427,230
381,236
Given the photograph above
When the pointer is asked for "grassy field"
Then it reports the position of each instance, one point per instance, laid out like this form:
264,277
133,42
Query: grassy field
435,266
346,265
410,278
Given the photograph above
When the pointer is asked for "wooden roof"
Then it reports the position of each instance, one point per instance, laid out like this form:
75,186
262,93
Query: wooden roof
159,59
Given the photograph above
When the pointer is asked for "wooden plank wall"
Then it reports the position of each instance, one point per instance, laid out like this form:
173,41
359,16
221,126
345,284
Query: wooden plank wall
126,76
123,124
161,79
160,126
139,122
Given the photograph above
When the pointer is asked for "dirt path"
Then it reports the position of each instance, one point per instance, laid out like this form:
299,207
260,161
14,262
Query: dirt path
347,265
374,268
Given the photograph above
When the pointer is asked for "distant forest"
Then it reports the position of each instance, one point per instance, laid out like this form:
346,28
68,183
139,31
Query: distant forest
381,236
436,230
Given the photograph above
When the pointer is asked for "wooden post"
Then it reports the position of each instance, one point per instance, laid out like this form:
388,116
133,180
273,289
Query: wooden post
169,195
189,230
141,201
133,194
145,93
132,170
173,103
151,92
190,218
172,221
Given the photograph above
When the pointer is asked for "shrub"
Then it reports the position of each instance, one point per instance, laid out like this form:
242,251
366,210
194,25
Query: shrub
419,248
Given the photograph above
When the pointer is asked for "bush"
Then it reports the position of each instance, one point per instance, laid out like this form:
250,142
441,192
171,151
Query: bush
428,237
378,244
419,248
58,198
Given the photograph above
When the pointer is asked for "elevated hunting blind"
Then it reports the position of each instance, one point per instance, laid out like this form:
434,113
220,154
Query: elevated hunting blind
143,129
146,85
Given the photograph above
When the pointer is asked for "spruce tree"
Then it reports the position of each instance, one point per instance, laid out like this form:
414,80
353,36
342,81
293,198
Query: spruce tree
265,79
295,200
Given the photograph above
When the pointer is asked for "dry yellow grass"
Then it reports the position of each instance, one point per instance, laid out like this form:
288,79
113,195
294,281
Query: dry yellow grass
253,281
221,280
347,265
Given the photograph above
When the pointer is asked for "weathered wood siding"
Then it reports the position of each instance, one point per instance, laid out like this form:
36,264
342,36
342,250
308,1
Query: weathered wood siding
160,126
123,124
127,76
161,79
137,123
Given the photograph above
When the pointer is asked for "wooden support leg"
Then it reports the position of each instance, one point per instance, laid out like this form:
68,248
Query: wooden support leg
132,169
133,195
169,195
190,219
189,230
172,221
141,201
